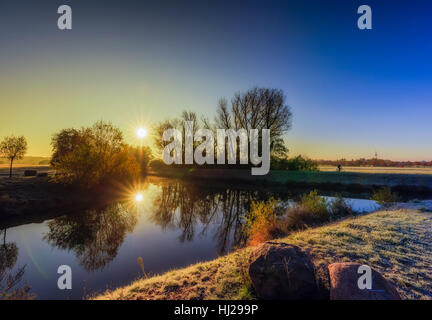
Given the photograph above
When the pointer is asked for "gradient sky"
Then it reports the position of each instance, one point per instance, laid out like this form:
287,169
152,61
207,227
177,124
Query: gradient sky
352,92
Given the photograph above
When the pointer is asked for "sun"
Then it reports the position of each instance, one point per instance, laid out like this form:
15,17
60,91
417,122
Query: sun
141,133
138,197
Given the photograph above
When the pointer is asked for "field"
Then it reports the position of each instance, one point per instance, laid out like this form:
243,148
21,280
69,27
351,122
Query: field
406,183
397,243
379,170
27,160
18,169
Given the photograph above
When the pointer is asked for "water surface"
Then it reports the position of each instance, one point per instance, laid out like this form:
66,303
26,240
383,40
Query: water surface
174,225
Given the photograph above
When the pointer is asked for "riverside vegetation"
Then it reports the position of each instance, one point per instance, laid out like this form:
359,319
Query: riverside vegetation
267,220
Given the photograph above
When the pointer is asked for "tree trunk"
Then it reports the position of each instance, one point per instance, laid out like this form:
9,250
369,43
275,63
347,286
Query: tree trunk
10,169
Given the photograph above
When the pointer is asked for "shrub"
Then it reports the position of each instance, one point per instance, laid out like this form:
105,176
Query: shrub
298,163
262,223
316,204
266,220
91,156
384,197
311,210
339,207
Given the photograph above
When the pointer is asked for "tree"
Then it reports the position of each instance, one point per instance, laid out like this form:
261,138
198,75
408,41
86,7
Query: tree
258,108
91,156
179,124
13,148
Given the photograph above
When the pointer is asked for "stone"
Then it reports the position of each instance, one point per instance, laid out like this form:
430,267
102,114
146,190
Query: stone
281,271
344,278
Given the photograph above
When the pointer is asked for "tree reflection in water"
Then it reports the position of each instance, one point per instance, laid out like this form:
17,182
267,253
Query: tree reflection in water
8,279
183,206
94,236
8,253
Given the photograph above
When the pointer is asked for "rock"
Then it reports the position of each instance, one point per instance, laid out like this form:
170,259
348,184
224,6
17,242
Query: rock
30,173
282,271
344,279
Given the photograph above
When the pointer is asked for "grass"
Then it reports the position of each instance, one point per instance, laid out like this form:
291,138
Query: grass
396,243
396,170
222,278
408,182
18,169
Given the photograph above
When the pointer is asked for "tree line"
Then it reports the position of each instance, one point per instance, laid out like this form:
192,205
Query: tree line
256,108
374,162
98,154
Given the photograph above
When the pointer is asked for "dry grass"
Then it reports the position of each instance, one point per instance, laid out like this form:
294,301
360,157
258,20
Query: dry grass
222,278
396,243
18,169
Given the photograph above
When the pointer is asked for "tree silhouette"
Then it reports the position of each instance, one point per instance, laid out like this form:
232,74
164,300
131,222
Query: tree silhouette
13,148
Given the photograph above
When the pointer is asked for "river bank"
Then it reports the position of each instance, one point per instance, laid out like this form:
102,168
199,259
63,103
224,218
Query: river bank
33,199
397,243
407,185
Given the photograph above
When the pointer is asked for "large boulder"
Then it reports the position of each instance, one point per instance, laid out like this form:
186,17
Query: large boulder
344,278
282,271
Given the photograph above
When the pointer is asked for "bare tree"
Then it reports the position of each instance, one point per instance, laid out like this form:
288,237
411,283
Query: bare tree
223,117
13,148
257,108
179,124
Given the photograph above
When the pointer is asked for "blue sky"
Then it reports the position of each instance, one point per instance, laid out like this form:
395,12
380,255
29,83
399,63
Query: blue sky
352,92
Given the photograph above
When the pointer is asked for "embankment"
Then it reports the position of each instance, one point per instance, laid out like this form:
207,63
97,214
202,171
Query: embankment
35,199
396,243
407,185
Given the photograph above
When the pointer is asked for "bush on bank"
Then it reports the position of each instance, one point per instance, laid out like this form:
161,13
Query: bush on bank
266,220
95,155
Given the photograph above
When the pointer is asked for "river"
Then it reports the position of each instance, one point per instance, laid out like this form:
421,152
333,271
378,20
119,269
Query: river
168,223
